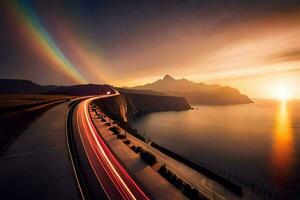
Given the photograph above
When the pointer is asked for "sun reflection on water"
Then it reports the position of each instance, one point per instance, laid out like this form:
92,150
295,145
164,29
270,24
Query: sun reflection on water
283,149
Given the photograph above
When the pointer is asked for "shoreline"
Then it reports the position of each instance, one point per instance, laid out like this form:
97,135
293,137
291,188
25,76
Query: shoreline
208,173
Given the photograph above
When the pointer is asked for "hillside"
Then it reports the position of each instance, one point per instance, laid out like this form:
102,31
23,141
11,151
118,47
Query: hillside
197,93
81,90
15,86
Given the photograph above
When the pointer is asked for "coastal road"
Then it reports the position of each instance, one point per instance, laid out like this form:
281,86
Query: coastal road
93,154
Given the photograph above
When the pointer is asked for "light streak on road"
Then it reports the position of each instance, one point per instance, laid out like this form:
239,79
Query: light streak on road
114,179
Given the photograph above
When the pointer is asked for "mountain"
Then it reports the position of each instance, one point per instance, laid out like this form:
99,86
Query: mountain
81,90
169,85
197,93
16,86
132,91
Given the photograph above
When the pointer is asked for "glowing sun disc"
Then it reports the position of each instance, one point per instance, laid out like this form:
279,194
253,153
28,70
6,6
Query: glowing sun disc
283,92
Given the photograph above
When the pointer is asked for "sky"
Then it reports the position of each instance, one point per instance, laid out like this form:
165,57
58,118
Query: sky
251,45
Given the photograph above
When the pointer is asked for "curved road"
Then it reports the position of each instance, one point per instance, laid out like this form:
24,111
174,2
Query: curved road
115,181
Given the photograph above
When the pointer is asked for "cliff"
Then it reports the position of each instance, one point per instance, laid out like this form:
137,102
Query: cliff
149,92
115,107
142,104
128,105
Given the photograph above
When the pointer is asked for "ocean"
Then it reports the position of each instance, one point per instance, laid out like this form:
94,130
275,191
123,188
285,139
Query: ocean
255,144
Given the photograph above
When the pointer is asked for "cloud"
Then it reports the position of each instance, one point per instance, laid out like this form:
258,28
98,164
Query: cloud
291,55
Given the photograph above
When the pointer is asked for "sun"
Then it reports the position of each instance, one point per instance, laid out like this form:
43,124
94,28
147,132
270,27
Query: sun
283,92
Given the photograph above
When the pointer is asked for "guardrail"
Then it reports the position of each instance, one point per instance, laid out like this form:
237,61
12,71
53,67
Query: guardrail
226,179
229,185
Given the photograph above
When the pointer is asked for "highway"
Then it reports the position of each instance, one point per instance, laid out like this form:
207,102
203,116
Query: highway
110,175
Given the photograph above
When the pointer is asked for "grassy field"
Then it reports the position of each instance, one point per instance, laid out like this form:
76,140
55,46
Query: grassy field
18,111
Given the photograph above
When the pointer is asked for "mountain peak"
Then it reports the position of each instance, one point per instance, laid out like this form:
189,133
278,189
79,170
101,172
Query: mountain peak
168,77
196,93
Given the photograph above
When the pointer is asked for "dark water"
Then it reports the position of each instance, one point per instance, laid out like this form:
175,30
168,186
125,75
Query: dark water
256,143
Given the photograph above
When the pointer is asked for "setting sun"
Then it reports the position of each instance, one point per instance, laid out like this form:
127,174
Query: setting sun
283,92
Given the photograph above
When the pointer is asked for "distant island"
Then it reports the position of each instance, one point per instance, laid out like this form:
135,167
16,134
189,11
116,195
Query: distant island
196,93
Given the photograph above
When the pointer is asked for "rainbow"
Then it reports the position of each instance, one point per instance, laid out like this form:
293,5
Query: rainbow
42,40
82,52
